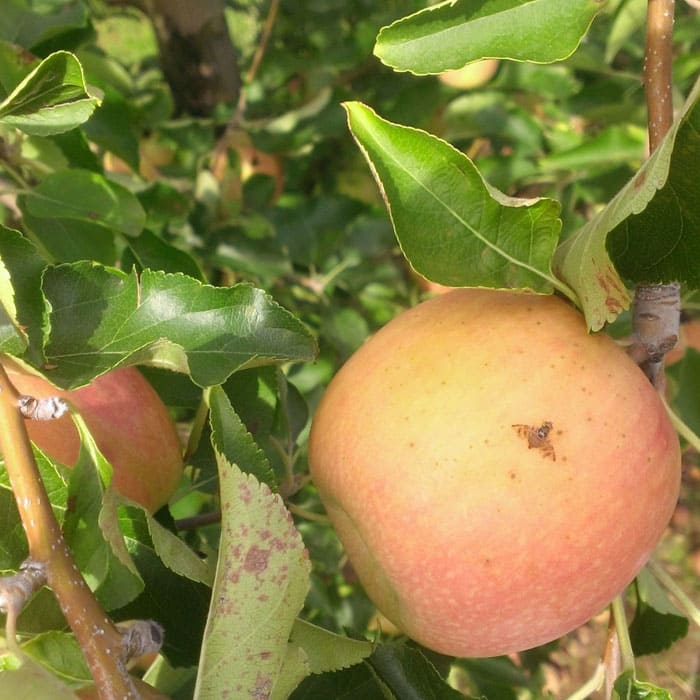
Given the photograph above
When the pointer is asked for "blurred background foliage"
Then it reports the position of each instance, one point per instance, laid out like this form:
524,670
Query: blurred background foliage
249,173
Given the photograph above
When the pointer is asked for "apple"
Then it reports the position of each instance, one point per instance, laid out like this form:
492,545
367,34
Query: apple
472,75
129,422
496,474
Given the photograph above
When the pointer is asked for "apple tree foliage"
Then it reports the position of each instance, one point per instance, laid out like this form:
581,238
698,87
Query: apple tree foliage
239,256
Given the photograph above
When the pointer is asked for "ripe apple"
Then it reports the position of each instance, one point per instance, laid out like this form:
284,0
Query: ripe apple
496,474
129,422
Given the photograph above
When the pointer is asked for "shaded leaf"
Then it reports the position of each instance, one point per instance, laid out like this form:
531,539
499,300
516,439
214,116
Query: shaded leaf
686,400
60,653
261,582
80,196
25,679
451,34
661,243
30,24
231,439
102,318
151,251
177,602
408,675
51,99
657,623
583,262
629,688
24,267
349,684
452,226
91,529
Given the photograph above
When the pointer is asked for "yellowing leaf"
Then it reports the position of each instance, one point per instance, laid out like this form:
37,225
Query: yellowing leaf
262,578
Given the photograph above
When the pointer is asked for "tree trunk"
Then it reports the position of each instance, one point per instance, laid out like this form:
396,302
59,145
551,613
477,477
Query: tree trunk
196,54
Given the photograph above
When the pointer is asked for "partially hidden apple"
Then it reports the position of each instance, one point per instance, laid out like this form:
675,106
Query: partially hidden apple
130,424
496,474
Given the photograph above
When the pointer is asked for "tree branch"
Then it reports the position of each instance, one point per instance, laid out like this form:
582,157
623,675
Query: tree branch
99,639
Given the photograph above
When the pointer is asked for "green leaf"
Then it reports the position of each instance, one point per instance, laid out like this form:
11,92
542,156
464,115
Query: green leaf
349,684
262,578
165,590
52,99
60,653
151,251
25,267
92,531
327,651
175,554
451,34
102,318
660,242
13,541
29,24
628,688
231,439
24,679
408,675
86,197
14,65
657,623
686,401
610,148
452,226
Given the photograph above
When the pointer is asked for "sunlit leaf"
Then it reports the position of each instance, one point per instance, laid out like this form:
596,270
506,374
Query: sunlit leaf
53,98
451,34
102,318
452,226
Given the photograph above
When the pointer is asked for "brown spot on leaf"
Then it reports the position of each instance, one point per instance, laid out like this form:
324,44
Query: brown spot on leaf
256,560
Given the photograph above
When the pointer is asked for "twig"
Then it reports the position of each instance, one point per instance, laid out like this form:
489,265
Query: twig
657,307
658,62
99,639
237,116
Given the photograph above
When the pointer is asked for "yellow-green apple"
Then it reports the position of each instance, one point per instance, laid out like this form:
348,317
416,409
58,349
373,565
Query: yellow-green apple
470,76
496,473
131,425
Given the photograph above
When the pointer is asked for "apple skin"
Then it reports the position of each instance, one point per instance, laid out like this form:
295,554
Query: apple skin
472,75
129,422
468,540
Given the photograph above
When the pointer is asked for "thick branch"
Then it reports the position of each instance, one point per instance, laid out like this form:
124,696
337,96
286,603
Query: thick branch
657,307
658,62
99,639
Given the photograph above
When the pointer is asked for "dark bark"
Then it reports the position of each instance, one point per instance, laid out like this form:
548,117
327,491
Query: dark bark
196,55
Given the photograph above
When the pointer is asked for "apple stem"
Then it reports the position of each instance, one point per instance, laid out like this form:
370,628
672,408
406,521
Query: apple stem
99,639
623,635
657,307
655,319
